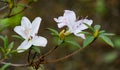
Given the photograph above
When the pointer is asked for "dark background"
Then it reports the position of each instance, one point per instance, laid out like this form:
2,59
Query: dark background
99,56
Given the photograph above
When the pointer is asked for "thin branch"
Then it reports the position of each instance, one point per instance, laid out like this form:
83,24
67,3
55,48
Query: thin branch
34,57
17,12
49,52
65,57
2,60
4,7
29,55
15,65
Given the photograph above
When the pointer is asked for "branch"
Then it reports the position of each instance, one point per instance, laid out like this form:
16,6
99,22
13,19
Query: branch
65,57
16,65
10,15
49,52
4,7
17,12
2,60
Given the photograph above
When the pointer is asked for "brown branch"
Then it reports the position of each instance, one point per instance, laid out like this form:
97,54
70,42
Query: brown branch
17,12
10,15
28,64
3,8
29,55
2,60
49,52
65,57
15,65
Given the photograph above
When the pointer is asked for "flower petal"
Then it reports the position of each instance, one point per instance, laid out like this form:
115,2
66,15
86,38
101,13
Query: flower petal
60,25
39,41
80,35
25,22
70,15
20,30
77,33
80,24
24,46
62,21
89,22
35,25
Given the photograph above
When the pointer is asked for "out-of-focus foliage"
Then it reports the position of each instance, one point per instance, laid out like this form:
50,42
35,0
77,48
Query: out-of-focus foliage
7,48
12,21
110,57
16,11
117,42
5,67
100,7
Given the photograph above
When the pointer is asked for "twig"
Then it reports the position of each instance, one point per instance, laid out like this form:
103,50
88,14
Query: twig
29,55
16,13
52,50
2,60
33,57
65,57
4,7
15,65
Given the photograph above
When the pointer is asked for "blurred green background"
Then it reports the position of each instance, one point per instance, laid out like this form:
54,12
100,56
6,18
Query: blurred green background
99,56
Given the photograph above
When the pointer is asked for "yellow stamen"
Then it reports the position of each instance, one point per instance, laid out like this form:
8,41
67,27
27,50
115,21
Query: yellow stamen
96,33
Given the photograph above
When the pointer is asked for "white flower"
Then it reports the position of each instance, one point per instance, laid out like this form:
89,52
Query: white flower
29,32
75,26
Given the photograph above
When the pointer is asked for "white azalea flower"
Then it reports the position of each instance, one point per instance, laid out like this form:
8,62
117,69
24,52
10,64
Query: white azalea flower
29,32
75,26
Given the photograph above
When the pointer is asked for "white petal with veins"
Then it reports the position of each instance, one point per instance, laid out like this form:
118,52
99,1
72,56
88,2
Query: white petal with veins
20,31
39,41
24,46
35,25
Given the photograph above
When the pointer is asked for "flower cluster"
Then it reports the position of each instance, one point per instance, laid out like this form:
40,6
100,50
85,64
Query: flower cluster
29,30
75,26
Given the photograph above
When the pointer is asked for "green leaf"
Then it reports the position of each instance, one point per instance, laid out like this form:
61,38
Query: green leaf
57,41
5,40
10,22
36,49
107,40
53,32
1,37
83,32
88,40
97,27
117,42
10,46
5,66
89,27
110,57
2,49
13,51
19,37
102,31
9,49
73,43
108,34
